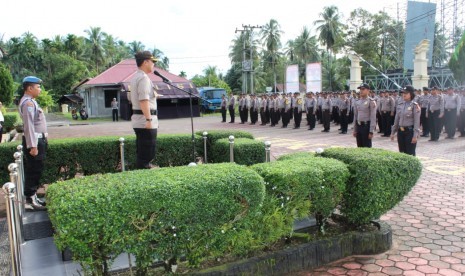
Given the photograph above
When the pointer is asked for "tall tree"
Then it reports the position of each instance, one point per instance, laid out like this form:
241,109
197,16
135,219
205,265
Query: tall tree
330,32
271,39
95,42
6,85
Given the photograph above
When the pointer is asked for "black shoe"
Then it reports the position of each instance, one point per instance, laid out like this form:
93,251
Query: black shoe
38,200
450,137
311,128
296,127
433,140
343,132
462,135
231,122
424,135
32,205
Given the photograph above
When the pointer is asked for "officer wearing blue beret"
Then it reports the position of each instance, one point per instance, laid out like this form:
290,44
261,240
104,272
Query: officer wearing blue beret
34,142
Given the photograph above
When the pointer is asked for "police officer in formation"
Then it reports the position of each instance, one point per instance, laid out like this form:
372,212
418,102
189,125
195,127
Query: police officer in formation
311,106
407,122
297,106
434,113
364,117
452,104
423,101
231,108
34,142
224,104
254,107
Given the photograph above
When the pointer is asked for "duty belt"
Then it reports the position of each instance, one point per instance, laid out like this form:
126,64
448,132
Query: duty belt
41,135
139,112
362,123
406,128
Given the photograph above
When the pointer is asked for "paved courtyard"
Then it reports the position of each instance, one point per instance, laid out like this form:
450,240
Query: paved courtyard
428,225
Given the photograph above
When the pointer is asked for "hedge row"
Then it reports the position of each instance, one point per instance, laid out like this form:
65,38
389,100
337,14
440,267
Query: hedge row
303,180
11,120
154,214
215,135
379,179
246,151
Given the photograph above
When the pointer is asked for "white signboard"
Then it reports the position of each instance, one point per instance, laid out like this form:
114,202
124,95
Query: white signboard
313,77
292,78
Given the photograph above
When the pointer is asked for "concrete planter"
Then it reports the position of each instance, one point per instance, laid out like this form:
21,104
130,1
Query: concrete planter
310,255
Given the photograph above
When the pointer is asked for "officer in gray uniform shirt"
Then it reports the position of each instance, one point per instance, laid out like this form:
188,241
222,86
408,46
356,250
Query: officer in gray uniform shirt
310,109
231,108
407,122
326,107
144,108
224,103
423,101
434,112
34,142
452,103
364,117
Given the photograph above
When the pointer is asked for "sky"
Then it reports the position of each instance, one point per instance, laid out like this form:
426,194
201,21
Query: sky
192,34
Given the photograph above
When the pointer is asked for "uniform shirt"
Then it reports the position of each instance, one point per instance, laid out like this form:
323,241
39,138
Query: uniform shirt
280,102
264,103
408,114
142,89
424,100
452,102
387,104
232,101
326,104
287,103
462,101
224,102
114,105
33,120
344,105
298,104
310,103
254,104
364,111
436,103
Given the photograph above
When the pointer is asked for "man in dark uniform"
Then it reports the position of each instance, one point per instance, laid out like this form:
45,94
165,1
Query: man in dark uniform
326,107
144,108
297,110
344,108
34,142
231,107
434,112
253,109
365,117
423,102
452,106
310,108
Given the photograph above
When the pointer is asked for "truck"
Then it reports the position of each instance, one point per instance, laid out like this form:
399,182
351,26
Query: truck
212,96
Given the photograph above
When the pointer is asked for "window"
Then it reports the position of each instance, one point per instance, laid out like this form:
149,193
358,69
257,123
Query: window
109,95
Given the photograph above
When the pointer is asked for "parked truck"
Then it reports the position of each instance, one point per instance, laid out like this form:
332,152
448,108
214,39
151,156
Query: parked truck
213,98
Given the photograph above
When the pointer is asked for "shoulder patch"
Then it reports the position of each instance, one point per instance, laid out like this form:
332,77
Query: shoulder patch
29,103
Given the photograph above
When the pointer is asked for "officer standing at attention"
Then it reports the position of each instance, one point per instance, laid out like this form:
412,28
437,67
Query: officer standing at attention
34,142
424,101
452,104
144,106
114,110
407,122
434,113
365,117
297,110
310,109
231,107
326,107
224,103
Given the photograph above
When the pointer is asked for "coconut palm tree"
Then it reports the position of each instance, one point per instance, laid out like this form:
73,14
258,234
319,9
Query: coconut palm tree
95,43
210,72
330,31
136,46
183,74
271,40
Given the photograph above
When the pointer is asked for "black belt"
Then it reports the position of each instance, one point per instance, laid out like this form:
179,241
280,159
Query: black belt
363,123
137,111
405,128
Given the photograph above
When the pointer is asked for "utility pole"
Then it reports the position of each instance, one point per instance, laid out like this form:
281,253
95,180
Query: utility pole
248,28
244,74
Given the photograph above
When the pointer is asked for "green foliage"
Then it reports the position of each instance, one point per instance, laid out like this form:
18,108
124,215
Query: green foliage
215,135
296,182
168,213
295,155
214,81
11,120
379,179
457,61
45,99
6,85
246,151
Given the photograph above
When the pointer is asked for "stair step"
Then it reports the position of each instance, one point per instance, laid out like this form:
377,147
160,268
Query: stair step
36,225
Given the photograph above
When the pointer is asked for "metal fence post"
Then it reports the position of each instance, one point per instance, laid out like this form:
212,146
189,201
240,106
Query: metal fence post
121,149
15,251
13,168
205,146
21,189
20,183
267,151
231,149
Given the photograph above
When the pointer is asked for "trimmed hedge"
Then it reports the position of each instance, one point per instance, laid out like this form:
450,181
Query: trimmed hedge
303,180
154,214
290,156
246,151
11,120
379,180
67,157
215,135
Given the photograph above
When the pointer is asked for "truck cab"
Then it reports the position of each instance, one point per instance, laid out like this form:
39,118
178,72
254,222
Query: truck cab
213,96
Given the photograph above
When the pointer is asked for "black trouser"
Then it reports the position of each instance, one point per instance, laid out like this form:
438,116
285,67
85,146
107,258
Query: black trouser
311,118
223,113
297,117
351,116
231,113
114,113
1,131
267,115
363,130
434,124
386,122
424,122
404,140
319,115
146,145
344,120
450,121
326,118
335,115
286,117
379,119
262,115
253,115
33,166
244,114
461,122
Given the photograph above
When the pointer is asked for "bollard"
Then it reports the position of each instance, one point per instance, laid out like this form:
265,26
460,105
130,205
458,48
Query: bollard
121,149
18,219
21,169
231,149
15,252
267,151
205,146
20,183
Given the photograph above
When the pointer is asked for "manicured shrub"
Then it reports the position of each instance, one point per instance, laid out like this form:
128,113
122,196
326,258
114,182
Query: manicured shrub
303,180
11,120
215,135
295,155
379,180
154,214
246,151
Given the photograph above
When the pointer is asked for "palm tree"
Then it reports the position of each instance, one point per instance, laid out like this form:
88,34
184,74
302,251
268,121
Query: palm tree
305,49
136,46
183,74
97,53
163,61
210,72
271,39
109,44
330,29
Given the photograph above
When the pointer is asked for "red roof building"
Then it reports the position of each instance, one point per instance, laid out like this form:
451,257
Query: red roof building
99,91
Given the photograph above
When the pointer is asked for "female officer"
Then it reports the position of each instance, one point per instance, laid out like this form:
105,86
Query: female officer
407,122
